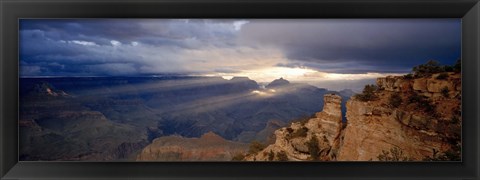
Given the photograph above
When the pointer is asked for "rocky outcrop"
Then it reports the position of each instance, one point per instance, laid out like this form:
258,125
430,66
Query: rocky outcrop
431,86
423,123
372,129
418,131
209,147
296,141
391,83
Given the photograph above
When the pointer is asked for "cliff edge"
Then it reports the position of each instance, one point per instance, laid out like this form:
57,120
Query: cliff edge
402,118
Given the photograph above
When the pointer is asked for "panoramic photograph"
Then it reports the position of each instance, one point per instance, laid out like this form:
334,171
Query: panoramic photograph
240,90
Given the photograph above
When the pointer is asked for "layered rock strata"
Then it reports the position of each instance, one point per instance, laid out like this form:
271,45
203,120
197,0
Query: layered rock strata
209,147
375,126
294,141
409,119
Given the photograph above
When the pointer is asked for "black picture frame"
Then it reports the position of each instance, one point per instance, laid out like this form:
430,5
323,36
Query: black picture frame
12,10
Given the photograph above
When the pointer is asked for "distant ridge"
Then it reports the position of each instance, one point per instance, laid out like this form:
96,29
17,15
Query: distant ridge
278,83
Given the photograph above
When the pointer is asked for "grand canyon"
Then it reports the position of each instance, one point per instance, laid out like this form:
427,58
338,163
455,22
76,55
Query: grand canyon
177,118
240,90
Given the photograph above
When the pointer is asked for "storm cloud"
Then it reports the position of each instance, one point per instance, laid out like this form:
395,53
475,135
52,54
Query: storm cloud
359,45
109,47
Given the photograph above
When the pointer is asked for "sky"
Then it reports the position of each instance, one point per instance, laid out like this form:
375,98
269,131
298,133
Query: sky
319,51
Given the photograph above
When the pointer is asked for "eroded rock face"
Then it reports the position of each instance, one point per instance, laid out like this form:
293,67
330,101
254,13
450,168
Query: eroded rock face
295,140
391,83
375,126
428,86
209,147
332,105
420,84
367,134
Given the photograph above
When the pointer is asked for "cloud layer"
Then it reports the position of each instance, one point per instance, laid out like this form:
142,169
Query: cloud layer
359,46
110,47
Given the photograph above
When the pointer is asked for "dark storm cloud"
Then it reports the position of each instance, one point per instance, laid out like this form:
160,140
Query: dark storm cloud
81,47
115,46
150,31
359,46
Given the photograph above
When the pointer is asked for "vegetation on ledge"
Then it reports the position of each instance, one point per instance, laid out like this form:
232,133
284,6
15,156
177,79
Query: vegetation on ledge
368,93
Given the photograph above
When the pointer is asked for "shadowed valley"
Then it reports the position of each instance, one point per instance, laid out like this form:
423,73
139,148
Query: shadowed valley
114,118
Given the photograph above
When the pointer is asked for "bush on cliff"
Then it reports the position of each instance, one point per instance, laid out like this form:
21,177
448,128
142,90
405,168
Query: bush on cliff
445,91
442,76
271,155
395,100
423,102
408,76
302,132
282,156
255,147
432,67
368,93
394,154
313,149
457,67
427,69
452,154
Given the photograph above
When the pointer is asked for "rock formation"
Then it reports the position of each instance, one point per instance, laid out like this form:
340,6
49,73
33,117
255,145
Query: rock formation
419,127
409,118
209,147
294,141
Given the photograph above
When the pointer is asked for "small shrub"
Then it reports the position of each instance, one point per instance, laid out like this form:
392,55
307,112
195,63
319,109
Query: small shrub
442,76
368,93
444,92
408,76
422,101
435,156
427,69
302,132
313,149
457,67
448,68
255,147
455,120
415,98
430,108
271,155
395,154
452,154
238,157
455,152
282,156
395,100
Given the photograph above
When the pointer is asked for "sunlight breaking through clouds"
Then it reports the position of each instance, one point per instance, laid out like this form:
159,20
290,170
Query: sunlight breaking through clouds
308,50
298,74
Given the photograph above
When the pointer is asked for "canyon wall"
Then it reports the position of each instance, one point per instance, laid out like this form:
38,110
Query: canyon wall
209,147
407,118
376,126
295,141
